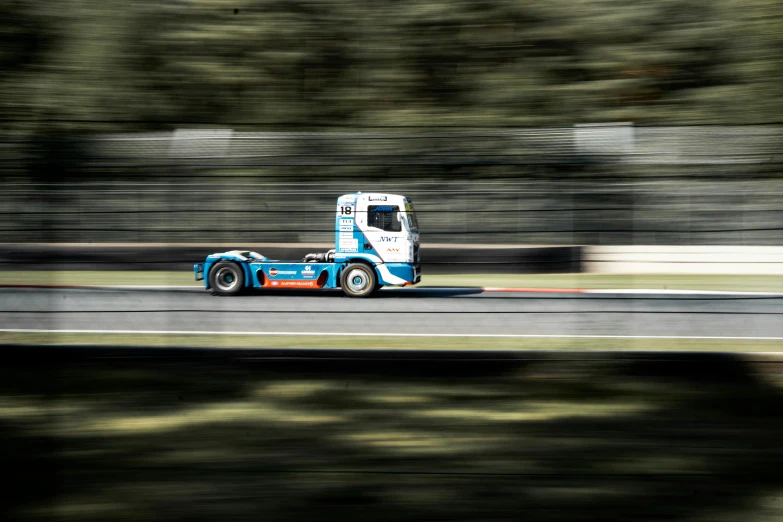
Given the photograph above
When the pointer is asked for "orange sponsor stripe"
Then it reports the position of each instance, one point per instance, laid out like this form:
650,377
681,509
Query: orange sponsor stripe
289,283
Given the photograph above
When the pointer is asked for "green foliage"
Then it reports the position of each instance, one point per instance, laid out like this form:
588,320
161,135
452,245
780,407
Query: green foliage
127,66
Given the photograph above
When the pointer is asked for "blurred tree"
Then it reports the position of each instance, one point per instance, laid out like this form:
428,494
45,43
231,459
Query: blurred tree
98,66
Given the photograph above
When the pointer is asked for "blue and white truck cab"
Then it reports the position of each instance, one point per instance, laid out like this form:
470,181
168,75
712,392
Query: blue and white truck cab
376,244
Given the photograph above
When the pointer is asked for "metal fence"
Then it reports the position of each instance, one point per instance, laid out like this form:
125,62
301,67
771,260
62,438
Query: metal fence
605,184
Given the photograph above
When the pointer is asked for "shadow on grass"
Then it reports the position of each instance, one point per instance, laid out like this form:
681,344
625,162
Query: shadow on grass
184,436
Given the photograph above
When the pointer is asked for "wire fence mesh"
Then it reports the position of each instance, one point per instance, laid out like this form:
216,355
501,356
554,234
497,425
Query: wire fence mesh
609,184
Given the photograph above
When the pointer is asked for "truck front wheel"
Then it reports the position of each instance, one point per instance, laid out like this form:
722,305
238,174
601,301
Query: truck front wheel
358,280
226,278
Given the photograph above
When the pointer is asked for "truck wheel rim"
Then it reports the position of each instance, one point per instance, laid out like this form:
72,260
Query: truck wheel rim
357,280
226,279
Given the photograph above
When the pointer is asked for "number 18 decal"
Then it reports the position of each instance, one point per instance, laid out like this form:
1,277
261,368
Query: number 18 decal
346,211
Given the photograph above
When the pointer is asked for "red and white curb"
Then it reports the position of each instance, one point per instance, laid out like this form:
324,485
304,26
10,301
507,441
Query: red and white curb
630,291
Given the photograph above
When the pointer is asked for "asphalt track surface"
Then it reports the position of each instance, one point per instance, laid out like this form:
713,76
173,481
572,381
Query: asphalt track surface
392,312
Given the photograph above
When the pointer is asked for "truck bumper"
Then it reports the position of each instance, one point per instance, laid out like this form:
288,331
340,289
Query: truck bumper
400,274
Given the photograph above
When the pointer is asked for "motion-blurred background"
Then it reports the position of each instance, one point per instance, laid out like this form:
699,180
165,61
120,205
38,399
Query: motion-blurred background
508,122
558,136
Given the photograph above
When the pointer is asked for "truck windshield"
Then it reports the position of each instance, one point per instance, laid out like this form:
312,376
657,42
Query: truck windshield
384,217
412,224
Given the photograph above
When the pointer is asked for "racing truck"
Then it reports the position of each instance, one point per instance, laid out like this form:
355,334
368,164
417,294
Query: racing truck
376,239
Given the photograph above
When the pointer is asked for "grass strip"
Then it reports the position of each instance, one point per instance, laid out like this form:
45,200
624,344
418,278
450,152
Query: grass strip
384,343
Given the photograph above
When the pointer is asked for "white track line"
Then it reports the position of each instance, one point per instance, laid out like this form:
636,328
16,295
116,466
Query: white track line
388,334
622,291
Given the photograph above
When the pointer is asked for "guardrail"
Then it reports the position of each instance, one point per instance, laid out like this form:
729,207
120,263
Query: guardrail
436,259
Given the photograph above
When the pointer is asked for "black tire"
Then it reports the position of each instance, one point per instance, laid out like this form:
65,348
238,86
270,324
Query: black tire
358,280
226,278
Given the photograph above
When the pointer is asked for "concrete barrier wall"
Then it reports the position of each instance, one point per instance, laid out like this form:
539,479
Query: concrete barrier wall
641,259
436,258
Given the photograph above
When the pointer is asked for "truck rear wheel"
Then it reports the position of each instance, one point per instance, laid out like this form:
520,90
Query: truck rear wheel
226,278
358,280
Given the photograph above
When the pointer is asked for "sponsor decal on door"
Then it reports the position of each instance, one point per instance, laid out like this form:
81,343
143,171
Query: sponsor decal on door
349,245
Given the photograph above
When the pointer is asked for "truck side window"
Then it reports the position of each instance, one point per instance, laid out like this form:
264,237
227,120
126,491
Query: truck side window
384,217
